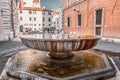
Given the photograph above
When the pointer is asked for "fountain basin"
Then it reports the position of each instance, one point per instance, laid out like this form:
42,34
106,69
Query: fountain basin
60,48
60,45
84,65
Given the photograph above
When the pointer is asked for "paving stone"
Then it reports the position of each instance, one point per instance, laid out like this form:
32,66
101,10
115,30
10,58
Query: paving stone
108,46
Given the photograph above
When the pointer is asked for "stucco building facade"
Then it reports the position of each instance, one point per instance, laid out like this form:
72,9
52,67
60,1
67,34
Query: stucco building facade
1,26
32,17
8,19
98,17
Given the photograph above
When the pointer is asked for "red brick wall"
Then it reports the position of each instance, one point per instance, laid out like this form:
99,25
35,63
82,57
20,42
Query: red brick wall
111,22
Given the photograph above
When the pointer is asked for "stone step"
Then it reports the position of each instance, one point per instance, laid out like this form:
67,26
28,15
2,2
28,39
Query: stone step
117,61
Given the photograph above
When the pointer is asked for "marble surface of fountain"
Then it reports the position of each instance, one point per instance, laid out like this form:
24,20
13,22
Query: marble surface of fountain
61,58
60,46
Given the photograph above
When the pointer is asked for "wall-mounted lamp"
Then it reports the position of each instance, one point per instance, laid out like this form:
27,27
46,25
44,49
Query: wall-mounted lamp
74,9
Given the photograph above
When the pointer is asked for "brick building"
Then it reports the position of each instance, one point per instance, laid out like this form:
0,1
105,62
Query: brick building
98,17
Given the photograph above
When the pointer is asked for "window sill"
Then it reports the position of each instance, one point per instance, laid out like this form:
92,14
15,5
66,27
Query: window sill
79,26
98,25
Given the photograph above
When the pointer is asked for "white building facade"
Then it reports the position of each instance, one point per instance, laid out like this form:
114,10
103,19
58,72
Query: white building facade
32,17
9,19
1,26
46,19
57,19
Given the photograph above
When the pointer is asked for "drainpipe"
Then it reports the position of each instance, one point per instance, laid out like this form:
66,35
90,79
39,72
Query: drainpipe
12,19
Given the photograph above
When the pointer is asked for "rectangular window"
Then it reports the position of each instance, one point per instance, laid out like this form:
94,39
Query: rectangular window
68,21
49,13
43,19
79,19
99,17
30,19
35,1
30,12
49,19
34,24
98,31
20,12
34,18
34,12
20,18
43,12
49,24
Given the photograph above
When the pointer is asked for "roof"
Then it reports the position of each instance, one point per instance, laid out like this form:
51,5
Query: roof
35,9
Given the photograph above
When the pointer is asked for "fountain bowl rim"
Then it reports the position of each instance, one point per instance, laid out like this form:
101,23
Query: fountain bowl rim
69,39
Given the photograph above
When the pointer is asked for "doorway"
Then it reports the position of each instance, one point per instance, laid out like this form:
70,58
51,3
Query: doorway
98,22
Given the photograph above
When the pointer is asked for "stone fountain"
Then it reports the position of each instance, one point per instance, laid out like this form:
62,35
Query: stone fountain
63,58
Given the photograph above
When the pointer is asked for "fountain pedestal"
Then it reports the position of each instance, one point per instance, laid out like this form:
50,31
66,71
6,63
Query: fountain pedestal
60,55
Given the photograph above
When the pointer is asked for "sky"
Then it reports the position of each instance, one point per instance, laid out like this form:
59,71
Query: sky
51,4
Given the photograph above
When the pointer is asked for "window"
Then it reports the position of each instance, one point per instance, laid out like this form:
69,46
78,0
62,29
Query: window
34,12
35,1
98,31
20,12
57,22
21,28
34,18
68,2
34,24
98,17
43,19
43,12
49,19
25,24
49,24
79,19
68,21
49,13
30,19
20,18
30,12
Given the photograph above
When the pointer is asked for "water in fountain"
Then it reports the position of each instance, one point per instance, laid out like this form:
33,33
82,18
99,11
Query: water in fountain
82,62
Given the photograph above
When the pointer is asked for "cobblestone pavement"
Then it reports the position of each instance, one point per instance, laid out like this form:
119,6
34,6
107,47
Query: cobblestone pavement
9,48
108,46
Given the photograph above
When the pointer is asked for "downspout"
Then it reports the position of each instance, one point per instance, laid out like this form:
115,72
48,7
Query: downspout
12,19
